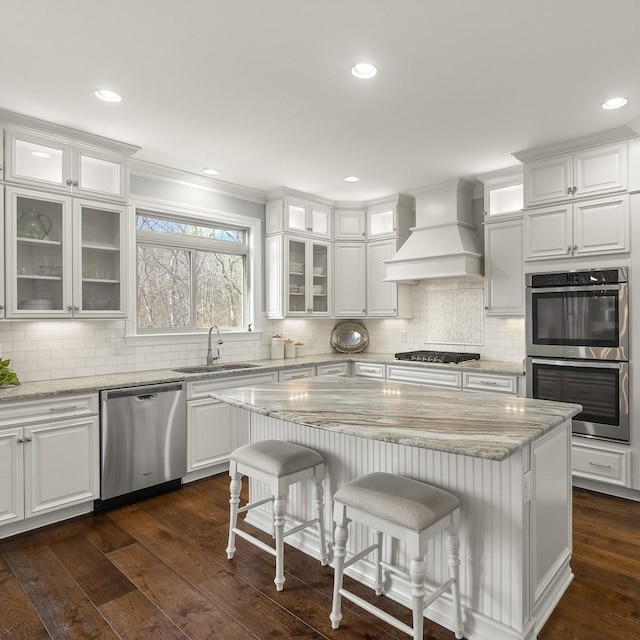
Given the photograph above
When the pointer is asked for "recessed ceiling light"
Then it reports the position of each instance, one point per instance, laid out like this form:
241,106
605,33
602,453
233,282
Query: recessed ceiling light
108,95
40,154
363,70
351,179
614,103
211,172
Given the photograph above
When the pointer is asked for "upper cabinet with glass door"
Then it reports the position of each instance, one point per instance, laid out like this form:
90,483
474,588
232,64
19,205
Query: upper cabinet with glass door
503,191
64,256
298,215
390,217
56,164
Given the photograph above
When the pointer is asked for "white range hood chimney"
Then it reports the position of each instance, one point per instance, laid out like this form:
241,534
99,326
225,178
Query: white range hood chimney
444,242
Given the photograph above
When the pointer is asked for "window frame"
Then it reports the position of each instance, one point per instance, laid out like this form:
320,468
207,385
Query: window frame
252,249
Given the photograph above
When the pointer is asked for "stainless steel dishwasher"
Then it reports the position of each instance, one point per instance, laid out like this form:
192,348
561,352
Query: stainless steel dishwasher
143,441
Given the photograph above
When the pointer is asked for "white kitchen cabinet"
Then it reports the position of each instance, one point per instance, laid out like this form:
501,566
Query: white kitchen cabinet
390,217
49,454
339,369
504,265
385,299
589,172
492,383
594,227
503,191
65,165
601,461
369,370
296,374
429,376
2,253
298,276
349,224
64,256
298,215
214,428
359,286
349,280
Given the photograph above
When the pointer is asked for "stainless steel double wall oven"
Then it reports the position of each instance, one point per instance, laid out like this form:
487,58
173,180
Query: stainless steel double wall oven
577,326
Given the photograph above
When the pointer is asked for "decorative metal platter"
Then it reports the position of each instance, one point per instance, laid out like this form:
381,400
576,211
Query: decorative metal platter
349,337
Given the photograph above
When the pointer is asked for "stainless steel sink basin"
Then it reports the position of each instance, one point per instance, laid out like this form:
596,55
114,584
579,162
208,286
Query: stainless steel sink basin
212,368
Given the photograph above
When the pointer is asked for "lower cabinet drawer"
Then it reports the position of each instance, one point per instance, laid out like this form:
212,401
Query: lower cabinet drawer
598,464
332,369
429,376
491,383
369,370
296,374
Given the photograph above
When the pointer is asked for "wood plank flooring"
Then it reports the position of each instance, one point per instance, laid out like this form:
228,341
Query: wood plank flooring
158,570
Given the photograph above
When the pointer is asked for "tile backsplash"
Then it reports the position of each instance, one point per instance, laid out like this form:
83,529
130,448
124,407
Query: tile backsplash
51,349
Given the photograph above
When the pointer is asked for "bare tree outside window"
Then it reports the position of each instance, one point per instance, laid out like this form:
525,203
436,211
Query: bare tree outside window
185,278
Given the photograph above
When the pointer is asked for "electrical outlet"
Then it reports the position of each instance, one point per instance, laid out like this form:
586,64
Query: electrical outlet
403,336
116,346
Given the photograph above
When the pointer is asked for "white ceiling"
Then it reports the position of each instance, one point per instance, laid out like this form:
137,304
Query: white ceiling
262,91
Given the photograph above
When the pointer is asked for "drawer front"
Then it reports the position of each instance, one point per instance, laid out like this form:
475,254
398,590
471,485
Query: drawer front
598,464
332,369
47,409
296,374
491,383
430,377
367,370
202,388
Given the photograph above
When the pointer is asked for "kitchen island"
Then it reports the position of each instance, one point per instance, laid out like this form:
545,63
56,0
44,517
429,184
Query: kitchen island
506,458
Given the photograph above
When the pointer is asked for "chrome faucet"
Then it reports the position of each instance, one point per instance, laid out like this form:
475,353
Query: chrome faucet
210,356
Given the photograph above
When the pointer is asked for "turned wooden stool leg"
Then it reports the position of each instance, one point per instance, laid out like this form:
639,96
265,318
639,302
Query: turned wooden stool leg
377,561
235,486
279,511
318,500
340,536
417,571
452,543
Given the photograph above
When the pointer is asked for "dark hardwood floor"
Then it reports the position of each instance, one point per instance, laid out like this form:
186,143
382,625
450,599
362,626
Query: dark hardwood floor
158,569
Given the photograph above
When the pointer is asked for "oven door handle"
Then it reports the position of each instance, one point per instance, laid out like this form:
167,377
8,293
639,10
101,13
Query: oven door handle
587,364
590,288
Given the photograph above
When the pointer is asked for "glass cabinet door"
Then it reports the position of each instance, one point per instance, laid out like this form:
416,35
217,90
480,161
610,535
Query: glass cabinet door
296,277
295,215
98,232
38,254
381,223
320,279
38,160
100,173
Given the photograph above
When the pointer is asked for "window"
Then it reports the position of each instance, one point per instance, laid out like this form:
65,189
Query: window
191,273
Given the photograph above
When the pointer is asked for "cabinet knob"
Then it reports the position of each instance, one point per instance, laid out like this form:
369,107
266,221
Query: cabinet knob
20,440
27,439
76,308
575,247
569,249
1,306
69,182
486,308
569,191
69,307
75,183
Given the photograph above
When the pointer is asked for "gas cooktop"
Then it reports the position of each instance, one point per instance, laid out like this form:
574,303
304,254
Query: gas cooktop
437,356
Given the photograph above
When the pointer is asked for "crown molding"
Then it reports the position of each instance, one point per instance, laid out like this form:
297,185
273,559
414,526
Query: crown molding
287,192
617,134
459,184
22,121
146,169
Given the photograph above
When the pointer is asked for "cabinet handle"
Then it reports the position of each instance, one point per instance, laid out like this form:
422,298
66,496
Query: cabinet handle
76,307
365,370
569,249
1,306
69,307
20,440
27,439
574,190
575,247
491,382
75,183
600,466
69,182
296,377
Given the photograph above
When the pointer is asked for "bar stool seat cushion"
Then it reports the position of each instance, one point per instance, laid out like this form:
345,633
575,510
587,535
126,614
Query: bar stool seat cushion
276,457
403,501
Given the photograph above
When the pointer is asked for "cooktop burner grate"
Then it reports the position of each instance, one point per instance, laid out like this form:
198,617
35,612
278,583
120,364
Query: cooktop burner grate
437,356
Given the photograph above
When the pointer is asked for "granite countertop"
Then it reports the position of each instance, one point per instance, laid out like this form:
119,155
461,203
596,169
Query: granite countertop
482,425
92,384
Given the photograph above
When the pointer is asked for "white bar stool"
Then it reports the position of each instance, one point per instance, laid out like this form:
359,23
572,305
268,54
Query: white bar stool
278,464
407,510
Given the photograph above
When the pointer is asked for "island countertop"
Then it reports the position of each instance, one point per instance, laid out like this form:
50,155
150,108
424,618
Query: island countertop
480,425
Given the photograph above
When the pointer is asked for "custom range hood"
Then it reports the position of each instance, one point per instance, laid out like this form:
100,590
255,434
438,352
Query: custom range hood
444,242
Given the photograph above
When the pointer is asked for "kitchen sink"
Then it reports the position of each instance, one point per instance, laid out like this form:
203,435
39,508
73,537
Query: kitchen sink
212,368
